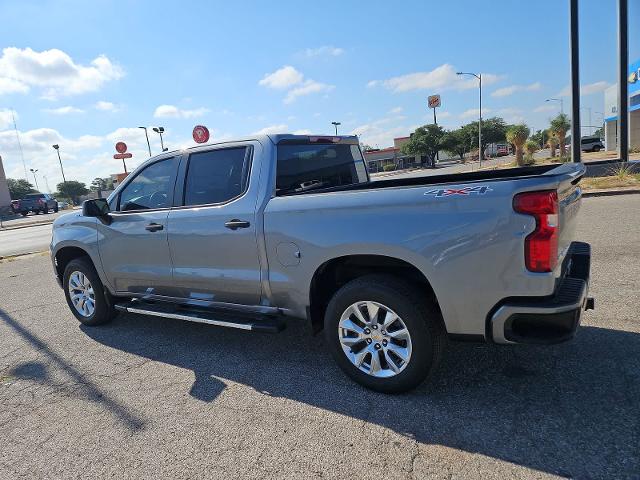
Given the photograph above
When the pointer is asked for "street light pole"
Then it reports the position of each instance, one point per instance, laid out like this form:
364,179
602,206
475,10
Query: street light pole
479,77
57,148
335,124
147,135
46,182
35,179
160,131
557,100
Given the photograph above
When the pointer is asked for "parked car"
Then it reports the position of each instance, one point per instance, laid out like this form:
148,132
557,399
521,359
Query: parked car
15,206
591,144
235,235
37,203
63,205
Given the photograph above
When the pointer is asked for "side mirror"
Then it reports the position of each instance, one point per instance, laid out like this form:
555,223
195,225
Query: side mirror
98,208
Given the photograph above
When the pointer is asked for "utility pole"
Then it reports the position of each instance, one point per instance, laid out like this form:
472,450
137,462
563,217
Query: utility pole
335,124
35,179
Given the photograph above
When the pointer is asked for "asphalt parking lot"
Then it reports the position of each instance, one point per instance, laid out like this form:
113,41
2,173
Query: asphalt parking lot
150,398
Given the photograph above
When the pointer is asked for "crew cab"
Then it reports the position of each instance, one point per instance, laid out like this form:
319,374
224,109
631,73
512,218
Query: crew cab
258,232
36,203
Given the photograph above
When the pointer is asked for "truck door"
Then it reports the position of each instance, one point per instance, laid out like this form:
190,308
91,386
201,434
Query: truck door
133,247
212,233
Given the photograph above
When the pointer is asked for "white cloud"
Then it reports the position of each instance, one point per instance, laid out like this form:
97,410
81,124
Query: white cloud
381,132
545,108
511,89
54,71
307,88
171,111
474,113
66,110
10,85
282,78
440,78
324,50
282,128
396,110
107,106
588,89
5,118
288,78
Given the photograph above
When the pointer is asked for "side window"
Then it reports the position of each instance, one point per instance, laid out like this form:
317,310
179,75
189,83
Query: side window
216,176
151,188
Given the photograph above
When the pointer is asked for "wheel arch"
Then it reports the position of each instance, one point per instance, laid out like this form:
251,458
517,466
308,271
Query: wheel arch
330,276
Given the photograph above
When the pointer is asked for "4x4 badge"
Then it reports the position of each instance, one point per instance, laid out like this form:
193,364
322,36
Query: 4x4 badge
446,192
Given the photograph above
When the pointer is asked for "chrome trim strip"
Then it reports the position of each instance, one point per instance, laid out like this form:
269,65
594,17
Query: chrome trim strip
177,316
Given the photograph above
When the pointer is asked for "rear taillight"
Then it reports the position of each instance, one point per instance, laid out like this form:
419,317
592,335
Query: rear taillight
540,246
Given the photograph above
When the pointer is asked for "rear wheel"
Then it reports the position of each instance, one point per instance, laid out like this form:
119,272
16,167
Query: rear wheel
85,293
596,148
384,334
45,210
55,208
24,214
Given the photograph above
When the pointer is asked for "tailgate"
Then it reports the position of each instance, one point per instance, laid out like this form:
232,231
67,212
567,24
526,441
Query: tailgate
569,199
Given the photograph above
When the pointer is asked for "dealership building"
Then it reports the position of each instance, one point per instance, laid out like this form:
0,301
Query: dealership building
611,111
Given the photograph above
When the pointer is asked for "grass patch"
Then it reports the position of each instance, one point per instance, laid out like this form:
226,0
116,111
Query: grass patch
612,181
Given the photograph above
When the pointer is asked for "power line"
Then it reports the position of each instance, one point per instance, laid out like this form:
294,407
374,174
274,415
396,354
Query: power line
15,128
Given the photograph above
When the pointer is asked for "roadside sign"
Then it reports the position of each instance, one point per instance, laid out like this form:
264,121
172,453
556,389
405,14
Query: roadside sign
121,156
200,134
433,101
121,147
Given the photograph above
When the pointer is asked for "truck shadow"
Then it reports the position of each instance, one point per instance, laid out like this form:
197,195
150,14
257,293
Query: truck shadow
570,410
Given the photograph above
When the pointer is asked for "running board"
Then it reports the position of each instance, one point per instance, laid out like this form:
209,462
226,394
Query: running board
242,321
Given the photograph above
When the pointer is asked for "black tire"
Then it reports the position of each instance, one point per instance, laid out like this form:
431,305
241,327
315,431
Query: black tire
420,315
45,210
104,311
596,148
24,214
37,212
55,209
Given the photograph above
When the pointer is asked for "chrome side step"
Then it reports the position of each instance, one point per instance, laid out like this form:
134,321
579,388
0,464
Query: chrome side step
255,323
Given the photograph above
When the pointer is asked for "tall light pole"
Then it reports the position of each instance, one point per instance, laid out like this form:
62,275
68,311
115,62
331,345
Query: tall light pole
147,135
35,179
46,182
589,110
57,148
335,124
479,77
160,131
557,100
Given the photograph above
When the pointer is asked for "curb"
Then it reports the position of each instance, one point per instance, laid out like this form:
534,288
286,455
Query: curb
16,255
610,192
26,225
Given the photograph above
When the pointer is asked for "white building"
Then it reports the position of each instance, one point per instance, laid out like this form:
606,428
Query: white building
611,111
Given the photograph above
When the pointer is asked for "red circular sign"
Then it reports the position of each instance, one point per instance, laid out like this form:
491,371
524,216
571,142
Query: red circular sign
200,134
121,147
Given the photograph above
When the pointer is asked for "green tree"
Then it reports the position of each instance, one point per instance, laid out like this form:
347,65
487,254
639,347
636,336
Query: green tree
599,132
552,141
425,141
19,188
560,126
457,142
540,137
72,189
494,130
99,184
517,135
530,147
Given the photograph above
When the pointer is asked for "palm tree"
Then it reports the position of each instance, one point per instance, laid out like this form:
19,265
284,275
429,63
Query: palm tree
553,143
560,126
517,135
530,147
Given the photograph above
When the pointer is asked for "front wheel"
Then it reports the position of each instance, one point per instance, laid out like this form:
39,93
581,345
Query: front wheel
55,208
85,293
384,333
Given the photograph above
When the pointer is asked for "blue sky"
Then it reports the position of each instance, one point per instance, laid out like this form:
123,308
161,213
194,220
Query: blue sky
86,74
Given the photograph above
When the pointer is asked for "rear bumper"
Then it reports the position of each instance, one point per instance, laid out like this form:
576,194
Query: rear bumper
546,320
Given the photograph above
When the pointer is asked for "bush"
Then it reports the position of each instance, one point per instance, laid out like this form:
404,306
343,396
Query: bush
389,168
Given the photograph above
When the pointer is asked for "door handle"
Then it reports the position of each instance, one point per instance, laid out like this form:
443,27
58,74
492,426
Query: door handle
235,224
154,227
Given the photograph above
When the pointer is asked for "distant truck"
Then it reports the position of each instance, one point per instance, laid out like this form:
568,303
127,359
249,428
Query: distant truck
244,234
36,203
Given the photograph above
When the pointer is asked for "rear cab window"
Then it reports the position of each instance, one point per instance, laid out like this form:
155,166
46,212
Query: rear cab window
312,165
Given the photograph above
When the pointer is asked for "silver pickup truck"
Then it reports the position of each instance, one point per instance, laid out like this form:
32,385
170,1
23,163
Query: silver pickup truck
247,233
